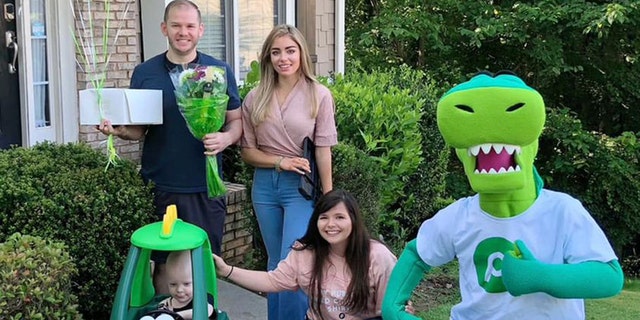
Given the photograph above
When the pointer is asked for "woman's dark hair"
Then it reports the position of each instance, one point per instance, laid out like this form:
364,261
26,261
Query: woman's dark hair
356,254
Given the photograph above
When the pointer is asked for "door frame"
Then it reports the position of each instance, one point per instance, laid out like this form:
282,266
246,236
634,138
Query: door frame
61,70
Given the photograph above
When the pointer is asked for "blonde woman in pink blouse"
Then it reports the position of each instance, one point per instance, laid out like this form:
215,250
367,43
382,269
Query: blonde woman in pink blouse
287,106
336,263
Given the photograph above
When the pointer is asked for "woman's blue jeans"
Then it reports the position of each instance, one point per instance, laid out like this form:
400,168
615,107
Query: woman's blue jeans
283,216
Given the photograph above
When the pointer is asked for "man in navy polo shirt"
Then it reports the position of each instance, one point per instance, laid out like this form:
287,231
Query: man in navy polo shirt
172,159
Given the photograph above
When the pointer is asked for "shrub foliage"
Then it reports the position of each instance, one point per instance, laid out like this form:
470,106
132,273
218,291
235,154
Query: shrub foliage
601,171
390,116
62,192
631,266
361,175
381,119
36,280
579,54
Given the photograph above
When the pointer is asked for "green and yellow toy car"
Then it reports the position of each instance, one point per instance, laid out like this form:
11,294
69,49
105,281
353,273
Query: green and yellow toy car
136,298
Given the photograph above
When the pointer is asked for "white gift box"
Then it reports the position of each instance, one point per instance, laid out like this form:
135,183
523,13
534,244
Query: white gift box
121,106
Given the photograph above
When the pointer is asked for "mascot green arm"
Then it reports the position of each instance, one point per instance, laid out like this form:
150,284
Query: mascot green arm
405,277
522,273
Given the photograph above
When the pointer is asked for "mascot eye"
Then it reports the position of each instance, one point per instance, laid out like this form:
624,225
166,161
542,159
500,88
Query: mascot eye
515,107
464,108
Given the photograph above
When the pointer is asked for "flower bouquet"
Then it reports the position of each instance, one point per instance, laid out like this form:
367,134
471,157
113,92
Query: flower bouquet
201,93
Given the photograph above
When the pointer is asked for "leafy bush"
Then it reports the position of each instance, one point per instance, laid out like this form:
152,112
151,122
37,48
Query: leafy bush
427,197
579,54
359,174
601,171
251,80
62,192
36,280
382,119
456,180
390,115
631,266
426,186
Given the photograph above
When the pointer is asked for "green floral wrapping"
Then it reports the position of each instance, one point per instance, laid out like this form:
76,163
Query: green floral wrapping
201,94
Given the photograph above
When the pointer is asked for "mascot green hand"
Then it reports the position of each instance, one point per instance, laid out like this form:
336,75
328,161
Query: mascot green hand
524,251
586,280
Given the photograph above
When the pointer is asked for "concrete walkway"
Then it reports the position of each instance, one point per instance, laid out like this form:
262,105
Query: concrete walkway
239,303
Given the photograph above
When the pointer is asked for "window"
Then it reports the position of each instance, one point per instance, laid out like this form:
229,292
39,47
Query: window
214,40
39,61
257,18
236,29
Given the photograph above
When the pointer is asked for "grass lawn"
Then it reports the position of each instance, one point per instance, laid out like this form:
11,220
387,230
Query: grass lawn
439,291
624,306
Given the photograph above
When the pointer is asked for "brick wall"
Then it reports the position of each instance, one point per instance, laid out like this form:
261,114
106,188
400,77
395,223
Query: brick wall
237,239
124,56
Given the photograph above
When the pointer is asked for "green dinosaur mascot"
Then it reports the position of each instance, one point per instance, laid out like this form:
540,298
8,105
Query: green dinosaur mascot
524,252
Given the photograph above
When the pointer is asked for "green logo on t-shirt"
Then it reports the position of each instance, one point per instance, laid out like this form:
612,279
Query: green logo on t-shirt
488,262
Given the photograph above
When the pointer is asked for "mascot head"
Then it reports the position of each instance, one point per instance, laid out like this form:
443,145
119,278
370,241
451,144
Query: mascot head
493,122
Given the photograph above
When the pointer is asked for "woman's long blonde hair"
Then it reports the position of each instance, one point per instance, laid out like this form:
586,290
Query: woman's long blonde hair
269,77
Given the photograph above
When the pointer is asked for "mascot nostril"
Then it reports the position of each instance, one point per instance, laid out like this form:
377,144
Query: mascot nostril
524,252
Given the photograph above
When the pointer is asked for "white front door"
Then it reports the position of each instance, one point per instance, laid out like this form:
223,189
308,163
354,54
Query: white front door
45,72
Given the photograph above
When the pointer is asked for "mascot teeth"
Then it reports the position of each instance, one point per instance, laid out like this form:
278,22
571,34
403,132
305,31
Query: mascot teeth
497,147
502,170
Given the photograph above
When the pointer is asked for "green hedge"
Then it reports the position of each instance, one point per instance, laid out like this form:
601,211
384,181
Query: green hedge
63,192
361,175
381,119
390,116
36,280
601,171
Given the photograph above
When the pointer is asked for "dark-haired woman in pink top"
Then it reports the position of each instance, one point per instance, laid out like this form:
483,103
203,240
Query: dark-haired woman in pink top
344,271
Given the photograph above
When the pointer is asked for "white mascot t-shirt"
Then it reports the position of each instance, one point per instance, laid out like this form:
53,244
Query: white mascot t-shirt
556,228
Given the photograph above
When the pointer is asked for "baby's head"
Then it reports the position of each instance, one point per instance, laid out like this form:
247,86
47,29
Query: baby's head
180,277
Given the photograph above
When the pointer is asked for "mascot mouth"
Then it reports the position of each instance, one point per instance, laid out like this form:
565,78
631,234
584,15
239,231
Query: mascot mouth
495,158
